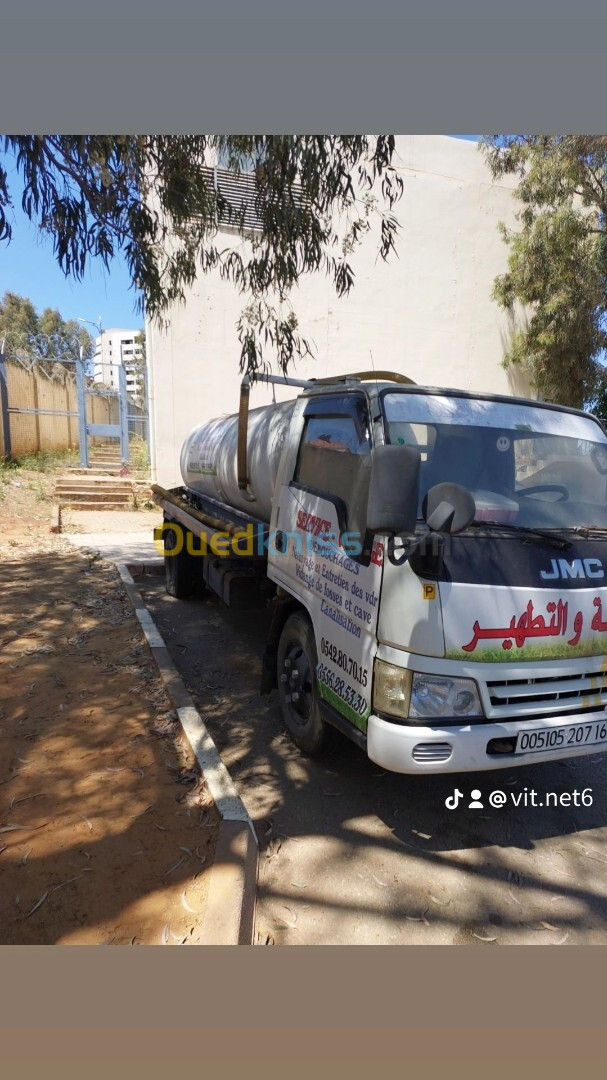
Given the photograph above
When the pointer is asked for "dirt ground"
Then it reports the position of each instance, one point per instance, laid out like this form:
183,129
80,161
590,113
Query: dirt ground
106,829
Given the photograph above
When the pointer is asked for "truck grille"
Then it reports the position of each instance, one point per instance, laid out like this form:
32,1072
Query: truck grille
557,694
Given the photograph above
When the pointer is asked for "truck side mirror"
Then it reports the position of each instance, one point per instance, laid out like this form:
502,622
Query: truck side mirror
393,490
448,508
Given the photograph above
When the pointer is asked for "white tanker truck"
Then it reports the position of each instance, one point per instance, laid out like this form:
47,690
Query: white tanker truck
435,562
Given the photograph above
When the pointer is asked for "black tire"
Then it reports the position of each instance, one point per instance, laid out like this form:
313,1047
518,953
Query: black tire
180,570
296,660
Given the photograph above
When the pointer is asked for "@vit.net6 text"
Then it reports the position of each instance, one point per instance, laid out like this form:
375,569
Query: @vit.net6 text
528,797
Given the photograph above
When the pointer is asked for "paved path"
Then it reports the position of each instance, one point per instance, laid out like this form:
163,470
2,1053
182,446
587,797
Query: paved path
119,536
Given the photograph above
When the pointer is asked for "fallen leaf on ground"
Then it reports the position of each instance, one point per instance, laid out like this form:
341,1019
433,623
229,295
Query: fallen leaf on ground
28,797
12,828
177,864
37,905
193,911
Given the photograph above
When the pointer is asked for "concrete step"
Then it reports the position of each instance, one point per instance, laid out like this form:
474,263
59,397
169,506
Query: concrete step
74,504
91,498
101,470
115,494
101,482
95,493
94,490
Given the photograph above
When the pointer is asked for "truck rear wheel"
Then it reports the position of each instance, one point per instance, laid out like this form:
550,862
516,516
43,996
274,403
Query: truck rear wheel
297,688
179,568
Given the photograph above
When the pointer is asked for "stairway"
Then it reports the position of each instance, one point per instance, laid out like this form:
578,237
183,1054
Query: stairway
94,491
100,487
106,459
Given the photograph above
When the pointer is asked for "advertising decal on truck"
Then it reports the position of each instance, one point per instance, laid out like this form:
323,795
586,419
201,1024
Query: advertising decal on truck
500,624
341,596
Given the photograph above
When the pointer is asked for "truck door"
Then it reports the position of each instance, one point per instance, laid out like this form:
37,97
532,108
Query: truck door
322,553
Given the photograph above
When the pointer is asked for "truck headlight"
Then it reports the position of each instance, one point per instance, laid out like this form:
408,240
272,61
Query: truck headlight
415,696
442,695
391,689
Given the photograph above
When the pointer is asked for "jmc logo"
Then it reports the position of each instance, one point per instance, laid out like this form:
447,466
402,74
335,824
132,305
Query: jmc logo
577,568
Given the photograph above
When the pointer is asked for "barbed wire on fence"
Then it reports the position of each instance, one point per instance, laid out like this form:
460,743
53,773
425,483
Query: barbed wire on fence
40,348
54,371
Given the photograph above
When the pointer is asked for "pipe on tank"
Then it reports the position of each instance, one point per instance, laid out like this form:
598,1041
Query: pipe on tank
243,425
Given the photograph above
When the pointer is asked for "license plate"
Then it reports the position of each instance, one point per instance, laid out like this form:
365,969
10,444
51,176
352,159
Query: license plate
562,738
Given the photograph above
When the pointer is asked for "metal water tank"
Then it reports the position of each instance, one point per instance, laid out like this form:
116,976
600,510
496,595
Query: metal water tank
209,456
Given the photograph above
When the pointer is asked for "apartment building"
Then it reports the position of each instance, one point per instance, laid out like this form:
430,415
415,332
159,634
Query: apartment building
119,346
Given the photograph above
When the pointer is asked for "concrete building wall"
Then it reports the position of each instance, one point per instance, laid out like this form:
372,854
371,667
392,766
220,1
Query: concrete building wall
427,313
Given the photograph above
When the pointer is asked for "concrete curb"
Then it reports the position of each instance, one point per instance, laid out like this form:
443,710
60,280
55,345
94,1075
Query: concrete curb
230,909
138,568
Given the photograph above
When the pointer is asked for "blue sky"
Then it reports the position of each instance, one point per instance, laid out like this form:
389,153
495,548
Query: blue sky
28,267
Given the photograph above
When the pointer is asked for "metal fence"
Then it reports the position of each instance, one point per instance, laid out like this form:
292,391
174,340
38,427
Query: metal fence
59,405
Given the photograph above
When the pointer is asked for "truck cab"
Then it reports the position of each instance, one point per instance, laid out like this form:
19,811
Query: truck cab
439,559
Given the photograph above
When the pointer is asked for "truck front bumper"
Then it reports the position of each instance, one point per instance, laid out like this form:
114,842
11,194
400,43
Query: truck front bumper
412,748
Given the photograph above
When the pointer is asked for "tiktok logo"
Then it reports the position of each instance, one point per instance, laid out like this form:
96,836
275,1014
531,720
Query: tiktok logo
452,801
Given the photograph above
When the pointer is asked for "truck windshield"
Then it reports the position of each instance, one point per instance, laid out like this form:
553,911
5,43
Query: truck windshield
524,464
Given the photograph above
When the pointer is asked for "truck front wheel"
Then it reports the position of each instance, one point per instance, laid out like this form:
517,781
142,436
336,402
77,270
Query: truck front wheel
297,688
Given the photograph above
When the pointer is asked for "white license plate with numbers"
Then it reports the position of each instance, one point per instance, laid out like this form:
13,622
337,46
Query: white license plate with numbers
591,733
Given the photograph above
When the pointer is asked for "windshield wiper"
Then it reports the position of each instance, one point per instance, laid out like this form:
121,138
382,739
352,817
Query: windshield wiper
588,530
538,534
